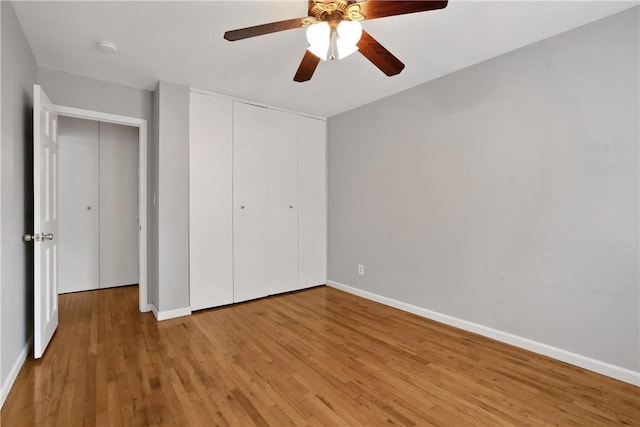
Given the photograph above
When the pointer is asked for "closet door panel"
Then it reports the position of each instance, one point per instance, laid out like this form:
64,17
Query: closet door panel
251,182
119,226
282,210
312,201
210,202
78,205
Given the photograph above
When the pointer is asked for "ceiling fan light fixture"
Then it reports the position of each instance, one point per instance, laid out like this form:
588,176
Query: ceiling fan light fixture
349,33
318,36
334,31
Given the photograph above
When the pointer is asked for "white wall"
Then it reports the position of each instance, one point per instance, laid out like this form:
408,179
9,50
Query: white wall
152,224
2,386
1,139
173,198
18,76
505,194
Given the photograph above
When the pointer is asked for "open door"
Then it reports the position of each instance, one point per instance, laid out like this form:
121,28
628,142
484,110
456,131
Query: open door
45,220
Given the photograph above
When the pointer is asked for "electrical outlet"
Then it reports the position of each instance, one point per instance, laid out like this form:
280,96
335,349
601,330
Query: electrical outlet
361,269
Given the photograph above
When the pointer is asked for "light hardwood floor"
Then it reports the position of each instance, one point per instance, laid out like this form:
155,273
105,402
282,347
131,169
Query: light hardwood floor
315,357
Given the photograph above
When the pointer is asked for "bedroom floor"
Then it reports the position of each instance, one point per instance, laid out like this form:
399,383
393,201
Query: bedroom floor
313,357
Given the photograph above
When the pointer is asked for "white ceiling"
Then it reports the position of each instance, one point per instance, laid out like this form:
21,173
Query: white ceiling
182,42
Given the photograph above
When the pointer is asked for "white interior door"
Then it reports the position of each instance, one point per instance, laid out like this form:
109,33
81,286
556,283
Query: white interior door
79,208
312,203
98,205
264,201
45,220
281,232
210,201
250,186
119,226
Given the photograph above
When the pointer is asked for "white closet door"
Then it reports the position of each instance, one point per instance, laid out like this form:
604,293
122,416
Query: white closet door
210,202
281,228
265,202
312,201
118,205
250,188
78,205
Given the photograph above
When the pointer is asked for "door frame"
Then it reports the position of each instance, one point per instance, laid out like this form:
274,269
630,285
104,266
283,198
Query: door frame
141,124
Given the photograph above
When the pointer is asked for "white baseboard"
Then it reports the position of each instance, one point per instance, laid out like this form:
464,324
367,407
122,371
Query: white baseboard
15,370
588,363
169,314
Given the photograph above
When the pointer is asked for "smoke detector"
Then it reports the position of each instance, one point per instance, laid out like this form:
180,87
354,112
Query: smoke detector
107,47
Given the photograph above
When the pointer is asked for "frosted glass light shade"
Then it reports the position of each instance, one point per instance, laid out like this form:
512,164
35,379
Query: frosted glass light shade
318,36
345,49
349,33
345,39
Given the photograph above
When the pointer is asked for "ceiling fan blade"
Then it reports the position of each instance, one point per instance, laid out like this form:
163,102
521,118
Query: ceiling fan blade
373,9
379,55
258,30
307,67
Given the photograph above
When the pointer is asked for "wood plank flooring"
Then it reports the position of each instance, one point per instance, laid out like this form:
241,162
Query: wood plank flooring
315,357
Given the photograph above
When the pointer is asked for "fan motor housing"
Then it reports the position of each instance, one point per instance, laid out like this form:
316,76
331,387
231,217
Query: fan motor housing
330,10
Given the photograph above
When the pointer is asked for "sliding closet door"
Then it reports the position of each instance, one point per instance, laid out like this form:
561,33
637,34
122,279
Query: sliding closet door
78,205
250,200
282,203
312,201
264,202
119,226
210,202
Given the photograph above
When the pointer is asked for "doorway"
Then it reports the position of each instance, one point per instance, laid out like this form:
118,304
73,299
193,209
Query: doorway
140,125
98,205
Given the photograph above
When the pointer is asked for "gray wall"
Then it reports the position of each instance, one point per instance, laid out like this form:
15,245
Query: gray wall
505,194
97,95
173,196
18,76
90,94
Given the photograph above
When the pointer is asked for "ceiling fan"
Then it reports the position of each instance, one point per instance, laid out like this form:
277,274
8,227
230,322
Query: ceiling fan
334,31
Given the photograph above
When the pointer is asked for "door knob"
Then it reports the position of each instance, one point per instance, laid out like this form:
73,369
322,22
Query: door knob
37,237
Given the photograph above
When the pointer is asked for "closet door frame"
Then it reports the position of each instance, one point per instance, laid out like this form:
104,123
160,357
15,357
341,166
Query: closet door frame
141,124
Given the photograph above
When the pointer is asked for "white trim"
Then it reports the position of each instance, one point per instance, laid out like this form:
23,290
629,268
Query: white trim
588,363
141,124
1,240
15,370
259,104
169,314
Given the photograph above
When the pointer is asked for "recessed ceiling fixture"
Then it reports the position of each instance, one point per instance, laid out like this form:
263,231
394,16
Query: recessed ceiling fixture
333,31
105,46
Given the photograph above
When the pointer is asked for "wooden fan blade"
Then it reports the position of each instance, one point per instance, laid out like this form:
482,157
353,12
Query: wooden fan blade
258,30
373,9
379,55
307,67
